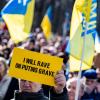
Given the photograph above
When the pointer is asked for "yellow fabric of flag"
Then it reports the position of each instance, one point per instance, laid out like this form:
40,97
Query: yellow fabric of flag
19,17
76,38
46,23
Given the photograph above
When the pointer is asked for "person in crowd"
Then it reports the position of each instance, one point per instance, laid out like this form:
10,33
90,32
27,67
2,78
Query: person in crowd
30,45
7,84
71,88
33,91
90,84
97,65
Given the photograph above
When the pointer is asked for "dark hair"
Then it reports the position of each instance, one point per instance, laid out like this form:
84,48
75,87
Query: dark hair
98,80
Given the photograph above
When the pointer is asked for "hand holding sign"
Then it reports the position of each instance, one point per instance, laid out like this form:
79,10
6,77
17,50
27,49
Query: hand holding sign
60,81
35,67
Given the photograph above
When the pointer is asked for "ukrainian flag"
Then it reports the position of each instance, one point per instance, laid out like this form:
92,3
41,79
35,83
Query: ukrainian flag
18,15
46,23
83,20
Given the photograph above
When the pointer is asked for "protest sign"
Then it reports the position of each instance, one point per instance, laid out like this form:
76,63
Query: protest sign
35,67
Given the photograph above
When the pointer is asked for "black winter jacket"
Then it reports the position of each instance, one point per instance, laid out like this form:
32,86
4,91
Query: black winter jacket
40,96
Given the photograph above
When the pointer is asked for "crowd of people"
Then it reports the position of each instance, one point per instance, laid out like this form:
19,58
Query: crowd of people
18,89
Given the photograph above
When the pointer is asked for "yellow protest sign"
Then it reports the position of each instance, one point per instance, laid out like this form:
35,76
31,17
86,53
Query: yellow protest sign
33,66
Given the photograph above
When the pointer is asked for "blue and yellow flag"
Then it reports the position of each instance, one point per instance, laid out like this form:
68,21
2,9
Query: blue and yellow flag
46,23
83,21
18,15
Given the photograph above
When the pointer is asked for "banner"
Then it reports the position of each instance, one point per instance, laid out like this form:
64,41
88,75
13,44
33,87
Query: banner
33,66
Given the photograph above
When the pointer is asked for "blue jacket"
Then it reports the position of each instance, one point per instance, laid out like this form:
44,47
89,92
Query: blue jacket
93,96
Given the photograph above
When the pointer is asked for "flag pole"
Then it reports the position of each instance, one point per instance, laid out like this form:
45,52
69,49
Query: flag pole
82,58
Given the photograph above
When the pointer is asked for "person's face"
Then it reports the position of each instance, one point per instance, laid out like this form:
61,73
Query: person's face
98,72
90,85
71,87
31,45
43,42
2,67
27,86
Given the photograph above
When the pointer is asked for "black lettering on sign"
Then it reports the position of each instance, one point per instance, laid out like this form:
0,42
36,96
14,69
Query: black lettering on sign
41,71
33,69
42,64
24,60
38,63
46,72
28,68
18,65
51,73
24,67
29,61
48,64
34,62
